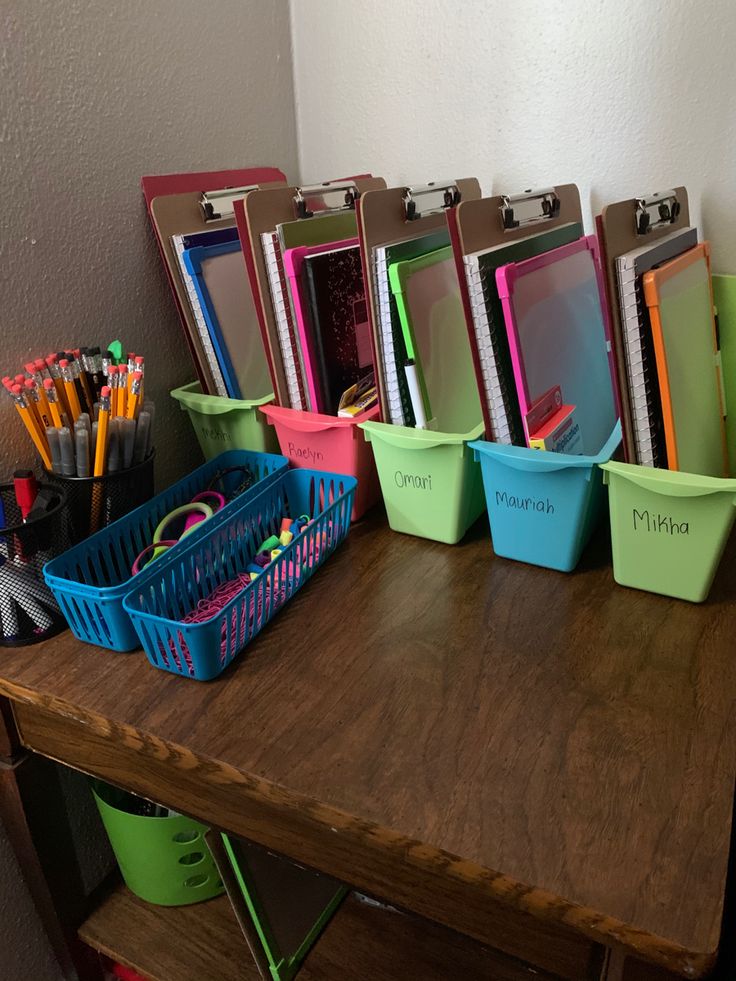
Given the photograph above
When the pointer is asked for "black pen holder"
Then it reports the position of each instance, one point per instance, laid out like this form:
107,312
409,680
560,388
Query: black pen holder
95,502
28,611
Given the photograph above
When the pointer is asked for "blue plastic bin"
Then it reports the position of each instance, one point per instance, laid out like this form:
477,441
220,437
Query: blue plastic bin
543,506
90,580
177,583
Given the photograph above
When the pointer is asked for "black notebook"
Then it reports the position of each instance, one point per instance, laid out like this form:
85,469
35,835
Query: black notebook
337,321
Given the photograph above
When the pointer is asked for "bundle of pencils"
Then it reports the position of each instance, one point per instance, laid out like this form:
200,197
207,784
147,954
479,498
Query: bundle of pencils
68,400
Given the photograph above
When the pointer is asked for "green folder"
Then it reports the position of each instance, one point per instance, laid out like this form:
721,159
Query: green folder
433,322
724,297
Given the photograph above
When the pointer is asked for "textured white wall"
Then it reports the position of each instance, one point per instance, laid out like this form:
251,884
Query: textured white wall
621,96
93,96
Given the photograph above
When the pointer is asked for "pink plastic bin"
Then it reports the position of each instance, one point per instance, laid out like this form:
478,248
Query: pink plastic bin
321,442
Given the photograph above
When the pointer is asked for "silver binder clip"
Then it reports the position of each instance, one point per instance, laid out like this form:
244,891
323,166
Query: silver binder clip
529,207
655,210
320,198
219,204
435,197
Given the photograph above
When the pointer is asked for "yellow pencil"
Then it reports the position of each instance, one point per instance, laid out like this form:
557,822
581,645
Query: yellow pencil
135,395
72,399
39,439
122,390
102,429
43,404
52,397
55,373
112,381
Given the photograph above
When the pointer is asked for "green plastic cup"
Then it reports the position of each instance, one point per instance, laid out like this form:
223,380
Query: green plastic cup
227,424
164,860
668,529
431,485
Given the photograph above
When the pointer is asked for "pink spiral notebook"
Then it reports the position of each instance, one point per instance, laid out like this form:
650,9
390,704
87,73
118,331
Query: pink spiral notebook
293,263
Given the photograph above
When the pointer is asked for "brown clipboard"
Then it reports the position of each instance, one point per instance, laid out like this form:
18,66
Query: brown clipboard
620,228
263,211
383,220
484,223
182,214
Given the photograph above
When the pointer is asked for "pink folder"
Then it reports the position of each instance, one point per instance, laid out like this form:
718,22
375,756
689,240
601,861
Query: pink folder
293,261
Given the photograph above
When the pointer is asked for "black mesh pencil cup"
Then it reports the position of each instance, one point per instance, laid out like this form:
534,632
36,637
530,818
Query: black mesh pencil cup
28,611
95,502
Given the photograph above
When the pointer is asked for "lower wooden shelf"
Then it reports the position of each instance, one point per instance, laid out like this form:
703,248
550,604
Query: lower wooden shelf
362,942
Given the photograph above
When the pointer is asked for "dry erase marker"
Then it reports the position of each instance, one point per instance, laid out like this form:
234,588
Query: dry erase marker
52,438
68,466
127,428
81,444
113,447
415,394
141,437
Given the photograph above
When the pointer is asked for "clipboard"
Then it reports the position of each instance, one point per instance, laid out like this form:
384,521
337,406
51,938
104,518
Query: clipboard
519,226
623,227
679,295
399,214
181,204
555,311
264,210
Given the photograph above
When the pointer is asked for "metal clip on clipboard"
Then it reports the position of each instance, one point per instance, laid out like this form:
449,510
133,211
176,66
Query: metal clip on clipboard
656,210
435,197
219,204
529,207
314,199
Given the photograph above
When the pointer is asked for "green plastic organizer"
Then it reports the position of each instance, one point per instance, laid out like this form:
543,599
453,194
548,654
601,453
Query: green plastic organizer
668,529
227,424
164,860
431,484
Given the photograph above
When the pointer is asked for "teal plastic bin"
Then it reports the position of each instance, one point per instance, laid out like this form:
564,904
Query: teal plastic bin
542,506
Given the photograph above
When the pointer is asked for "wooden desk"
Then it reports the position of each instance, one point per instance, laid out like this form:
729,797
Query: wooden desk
544,762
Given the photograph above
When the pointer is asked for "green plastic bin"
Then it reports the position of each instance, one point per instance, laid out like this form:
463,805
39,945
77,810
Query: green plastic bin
227,424
668,529
164,860
431,484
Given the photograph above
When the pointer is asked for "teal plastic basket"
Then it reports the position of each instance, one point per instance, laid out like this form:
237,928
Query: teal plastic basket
543,506
180,584
90,580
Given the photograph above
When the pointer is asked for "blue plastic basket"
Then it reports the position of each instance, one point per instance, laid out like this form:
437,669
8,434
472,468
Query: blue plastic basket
176,584
90,580
543,506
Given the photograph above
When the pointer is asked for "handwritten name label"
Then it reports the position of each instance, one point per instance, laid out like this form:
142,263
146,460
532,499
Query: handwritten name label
538,504
304,453
659,524
416,481
218,435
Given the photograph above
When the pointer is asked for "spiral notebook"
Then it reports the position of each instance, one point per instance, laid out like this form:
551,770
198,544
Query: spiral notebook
644,398
392,346
284,322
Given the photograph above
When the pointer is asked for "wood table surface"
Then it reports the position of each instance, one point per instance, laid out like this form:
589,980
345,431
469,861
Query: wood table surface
512,751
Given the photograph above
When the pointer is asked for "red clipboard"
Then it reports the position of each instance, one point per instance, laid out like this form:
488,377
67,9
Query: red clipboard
157,186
